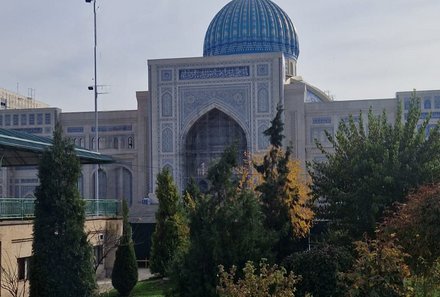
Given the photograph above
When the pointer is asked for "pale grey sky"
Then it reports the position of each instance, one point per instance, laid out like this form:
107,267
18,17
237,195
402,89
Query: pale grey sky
355,49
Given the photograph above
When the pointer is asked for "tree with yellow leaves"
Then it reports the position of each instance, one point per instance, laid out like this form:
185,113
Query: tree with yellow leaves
284,198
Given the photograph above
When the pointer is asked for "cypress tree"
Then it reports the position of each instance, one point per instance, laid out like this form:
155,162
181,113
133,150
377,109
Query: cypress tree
125,271
171,230
62,258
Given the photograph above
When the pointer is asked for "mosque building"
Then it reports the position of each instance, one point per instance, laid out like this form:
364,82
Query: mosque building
198,106
195,107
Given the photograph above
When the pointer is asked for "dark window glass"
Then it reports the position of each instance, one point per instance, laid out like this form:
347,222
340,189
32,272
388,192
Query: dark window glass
15,119
40,119
47,119
23,119
31,119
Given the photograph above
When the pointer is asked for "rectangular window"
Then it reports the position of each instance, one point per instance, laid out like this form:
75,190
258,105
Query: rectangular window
47,118
40,119
8,120
322,120
15,119
31,119
407,103
23,268
23,119
98,252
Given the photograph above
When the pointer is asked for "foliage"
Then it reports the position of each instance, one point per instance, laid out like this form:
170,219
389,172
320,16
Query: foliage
318,269
416,225
223,183
171,231
225,228
379,270
125,270
427,285
263,282
286,211
372,166
62,258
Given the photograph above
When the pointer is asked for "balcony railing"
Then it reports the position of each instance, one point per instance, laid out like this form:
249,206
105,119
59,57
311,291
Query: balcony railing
21,208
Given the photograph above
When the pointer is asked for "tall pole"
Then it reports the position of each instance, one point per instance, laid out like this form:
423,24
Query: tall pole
95,91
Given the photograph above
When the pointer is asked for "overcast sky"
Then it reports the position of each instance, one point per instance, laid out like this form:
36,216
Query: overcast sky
356,49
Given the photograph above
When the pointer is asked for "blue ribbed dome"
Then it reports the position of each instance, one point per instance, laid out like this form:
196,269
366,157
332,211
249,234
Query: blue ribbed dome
251,26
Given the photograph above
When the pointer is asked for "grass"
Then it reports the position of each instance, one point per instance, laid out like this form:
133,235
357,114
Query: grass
148,288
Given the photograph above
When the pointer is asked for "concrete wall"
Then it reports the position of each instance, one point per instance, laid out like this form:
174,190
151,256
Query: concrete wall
16,243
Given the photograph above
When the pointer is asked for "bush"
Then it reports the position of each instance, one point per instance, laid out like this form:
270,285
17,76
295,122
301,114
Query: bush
263,282
125,270
318,269
379,270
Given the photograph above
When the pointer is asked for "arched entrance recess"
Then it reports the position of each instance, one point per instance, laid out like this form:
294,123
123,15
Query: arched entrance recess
206,141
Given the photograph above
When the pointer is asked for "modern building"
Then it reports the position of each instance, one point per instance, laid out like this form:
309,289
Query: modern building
195,107
11,100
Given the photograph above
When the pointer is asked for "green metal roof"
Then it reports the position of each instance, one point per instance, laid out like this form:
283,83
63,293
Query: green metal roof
23,149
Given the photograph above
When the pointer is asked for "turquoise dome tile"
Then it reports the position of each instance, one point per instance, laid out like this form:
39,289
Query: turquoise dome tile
251,26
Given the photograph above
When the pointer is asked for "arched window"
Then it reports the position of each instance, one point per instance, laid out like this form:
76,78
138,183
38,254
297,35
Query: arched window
169,168
81,142
116,143
127,186
437,102
167,105
124,185
167,140
80,184
263,140
427,103
92,144
101,143
130,142
263,100
102,180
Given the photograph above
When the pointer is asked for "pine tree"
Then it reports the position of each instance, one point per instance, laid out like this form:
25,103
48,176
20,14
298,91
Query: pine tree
125,271
171,230
62,258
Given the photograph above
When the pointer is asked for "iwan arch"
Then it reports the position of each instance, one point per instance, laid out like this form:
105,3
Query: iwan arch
198,106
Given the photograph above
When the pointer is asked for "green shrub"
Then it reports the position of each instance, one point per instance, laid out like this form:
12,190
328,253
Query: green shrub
125,270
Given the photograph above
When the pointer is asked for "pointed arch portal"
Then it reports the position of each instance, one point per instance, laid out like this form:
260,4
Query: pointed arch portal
206,141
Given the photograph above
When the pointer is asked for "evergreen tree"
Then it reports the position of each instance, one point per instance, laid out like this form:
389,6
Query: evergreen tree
125,270
225,228
171,230
62,258
370,168
286,213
